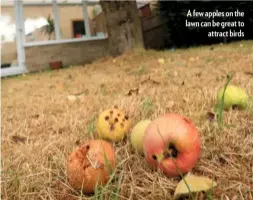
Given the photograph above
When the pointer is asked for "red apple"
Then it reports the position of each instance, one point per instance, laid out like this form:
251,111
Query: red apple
171,139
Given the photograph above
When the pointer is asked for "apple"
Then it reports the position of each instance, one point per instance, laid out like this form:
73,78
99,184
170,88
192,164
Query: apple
171,144
137,135
113,124
91,163
234,97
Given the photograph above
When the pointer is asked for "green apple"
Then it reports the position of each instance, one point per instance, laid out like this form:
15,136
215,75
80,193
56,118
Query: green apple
234,96
137,135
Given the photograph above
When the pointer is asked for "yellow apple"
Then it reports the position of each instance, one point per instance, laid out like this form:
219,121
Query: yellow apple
113,124
137,135
234,96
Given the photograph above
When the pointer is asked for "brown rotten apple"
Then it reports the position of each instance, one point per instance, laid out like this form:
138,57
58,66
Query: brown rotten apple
89,165
171,139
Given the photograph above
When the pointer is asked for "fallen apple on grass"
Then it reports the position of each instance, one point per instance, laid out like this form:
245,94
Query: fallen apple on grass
234,97
113,124
91,164
171,144
137,135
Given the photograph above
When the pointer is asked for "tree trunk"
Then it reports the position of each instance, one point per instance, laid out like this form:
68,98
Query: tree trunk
123,26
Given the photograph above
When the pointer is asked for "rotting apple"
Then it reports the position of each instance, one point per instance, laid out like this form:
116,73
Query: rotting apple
137,135
171,144
113,124
91,164
234,97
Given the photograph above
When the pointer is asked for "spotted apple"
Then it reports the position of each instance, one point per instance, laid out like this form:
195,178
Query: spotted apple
234,97
171,144
113,124
137,135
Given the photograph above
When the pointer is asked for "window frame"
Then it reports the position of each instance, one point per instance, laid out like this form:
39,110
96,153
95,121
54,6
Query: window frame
58,39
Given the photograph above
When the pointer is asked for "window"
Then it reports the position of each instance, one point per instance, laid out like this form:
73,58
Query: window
61,21
8,37
78,28
69,12
38,23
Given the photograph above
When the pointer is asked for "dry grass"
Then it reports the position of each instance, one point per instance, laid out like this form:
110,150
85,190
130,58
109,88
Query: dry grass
36,107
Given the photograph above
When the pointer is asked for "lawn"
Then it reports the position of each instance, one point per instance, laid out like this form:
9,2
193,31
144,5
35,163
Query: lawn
42,124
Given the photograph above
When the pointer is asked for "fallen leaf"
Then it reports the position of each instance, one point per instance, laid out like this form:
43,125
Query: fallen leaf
77,142
161,61
149,80
132,91
195,183
198,74
72,98
210,116
35,116
185,99
155,82
85,92
249,73
61,130
16,139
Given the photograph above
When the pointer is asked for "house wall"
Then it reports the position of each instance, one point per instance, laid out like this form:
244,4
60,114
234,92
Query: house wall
76,53
8,52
